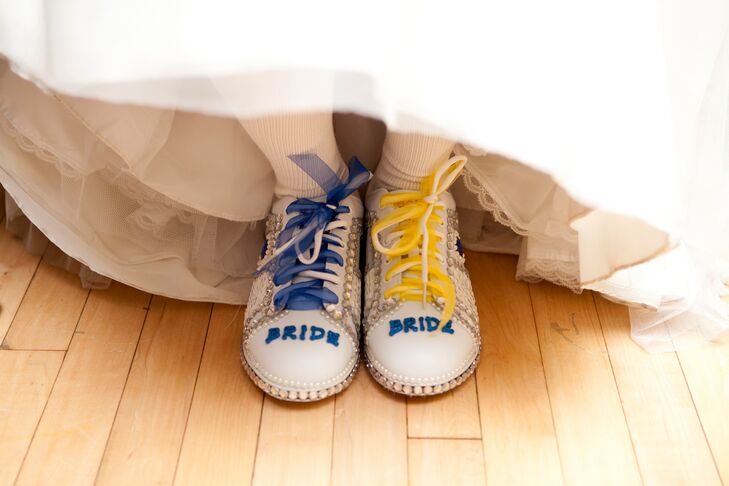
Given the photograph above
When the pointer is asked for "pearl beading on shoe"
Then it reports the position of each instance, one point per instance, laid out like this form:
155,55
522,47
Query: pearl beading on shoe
262,313
298,395
394,382
378,310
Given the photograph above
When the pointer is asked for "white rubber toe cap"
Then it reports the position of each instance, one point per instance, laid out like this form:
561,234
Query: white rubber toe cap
407,348
302,350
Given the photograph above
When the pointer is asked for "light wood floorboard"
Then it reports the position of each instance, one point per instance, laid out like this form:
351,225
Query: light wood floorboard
116,387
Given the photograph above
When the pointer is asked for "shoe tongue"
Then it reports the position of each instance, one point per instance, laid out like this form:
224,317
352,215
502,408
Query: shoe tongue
448,200
280,205
373,198
352,201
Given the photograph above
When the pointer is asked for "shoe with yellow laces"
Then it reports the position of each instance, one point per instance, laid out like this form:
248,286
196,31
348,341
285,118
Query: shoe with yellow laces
420,321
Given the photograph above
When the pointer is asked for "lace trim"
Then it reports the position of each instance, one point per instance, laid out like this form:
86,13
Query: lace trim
490,204
155,209
555,271
29,145
558,272
139,193
173,203
490,200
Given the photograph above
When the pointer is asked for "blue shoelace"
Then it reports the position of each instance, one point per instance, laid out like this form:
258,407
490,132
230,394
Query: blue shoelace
306,246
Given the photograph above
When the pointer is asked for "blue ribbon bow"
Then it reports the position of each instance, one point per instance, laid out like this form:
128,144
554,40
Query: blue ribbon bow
303,246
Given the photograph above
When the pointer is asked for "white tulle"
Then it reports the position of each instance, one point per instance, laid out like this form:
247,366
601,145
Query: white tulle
597,134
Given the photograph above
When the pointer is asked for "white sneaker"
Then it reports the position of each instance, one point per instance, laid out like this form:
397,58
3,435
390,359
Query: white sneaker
414,280
301,334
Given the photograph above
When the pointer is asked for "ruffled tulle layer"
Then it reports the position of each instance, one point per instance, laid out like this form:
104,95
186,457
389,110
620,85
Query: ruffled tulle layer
171,202
597,134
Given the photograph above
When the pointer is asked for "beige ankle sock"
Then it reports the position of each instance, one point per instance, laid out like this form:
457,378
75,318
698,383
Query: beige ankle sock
283,135
407,158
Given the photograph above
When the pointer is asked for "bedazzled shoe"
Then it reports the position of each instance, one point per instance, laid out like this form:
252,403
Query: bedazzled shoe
420,321
301,335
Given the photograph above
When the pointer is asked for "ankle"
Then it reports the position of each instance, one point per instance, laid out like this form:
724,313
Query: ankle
408,158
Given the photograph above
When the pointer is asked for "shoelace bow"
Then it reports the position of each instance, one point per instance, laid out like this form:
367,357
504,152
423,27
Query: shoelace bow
413,224
303,248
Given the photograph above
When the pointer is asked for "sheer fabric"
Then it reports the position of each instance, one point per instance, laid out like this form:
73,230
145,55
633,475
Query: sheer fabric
597,136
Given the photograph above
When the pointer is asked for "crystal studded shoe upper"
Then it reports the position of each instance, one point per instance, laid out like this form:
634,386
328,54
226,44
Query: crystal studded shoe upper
301,333
420,321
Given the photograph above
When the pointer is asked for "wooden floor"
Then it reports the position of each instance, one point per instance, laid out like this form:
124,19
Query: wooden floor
120,387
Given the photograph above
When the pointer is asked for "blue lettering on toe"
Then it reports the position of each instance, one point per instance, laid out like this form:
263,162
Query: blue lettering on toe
289,333
333,338
273,334
316,333
409,323
395,326
419,324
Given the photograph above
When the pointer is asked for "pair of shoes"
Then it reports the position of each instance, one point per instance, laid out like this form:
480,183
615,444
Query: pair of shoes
302,330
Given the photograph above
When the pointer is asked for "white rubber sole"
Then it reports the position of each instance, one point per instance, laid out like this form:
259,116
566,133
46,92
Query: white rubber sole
298,395
421,390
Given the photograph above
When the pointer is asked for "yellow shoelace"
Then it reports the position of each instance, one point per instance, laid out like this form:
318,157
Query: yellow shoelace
412,224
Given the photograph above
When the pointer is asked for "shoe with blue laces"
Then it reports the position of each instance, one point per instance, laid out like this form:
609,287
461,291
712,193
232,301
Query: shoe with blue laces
301,333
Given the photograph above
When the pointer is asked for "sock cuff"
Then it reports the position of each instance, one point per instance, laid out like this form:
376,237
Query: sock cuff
280,136
408,158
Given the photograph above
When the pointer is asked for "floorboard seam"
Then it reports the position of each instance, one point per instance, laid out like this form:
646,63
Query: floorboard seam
50,393
192,397
25,293
546,384
126,381
698,415
617,388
